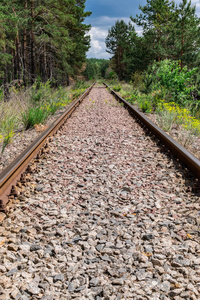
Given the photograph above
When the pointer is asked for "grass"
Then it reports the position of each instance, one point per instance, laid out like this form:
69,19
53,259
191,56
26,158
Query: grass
169,115
33,106
10,120
34,116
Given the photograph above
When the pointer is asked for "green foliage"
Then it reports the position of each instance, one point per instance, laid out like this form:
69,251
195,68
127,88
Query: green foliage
34,116
117,88
80,85
170,31
170,80
130,97
145,106
44,101
42,38
76,93
96,68
117,42
7,127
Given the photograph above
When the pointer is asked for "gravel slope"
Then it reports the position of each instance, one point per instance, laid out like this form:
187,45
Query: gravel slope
106,216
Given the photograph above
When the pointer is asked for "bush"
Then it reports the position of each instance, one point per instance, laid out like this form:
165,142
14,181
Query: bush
80,85
130,97
7,127
34,116
117,88
168,77
145,106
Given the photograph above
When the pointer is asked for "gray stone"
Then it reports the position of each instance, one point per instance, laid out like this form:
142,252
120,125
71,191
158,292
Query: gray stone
141,274
105,258
58,277
99,247
94,282
148,237
71,288
164,286
33,288
12,272
156,262
35,247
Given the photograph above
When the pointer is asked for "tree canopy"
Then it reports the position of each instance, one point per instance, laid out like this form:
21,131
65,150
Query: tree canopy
170,31
42,38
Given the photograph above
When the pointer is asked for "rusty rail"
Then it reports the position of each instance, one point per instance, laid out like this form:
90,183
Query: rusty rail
191,162
13,172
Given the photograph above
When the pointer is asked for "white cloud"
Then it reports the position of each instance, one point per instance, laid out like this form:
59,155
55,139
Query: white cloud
98,47
98,34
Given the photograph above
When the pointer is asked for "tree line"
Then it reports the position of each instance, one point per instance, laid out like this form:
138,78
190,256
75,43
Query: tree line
96,68
170,31
42,38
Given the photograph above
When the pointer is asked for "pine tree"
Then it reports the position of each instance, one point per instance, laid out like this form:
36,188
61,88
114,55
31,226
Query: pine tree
117,41
45,38
187,34
157,19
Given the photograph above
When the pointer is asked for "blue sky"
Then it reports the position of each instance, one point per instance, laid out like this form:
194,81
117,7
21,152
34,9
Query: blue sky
104,15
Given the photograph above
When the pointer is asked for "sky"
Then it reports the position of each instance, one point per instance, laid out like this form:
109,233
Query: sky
104,15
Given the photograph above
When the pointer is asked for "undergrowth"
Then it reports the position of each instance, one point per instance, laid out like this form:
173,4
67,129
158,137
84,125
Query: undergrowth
33,106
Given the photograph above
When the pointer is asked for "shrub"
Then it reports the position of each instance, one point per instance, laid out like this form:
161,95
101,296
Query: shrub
117,88
7,127
34,116
145,106
172,113
167,75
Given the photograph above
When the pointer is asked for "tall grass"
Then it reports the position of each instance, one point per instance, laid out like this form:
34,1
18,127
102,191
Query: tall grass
10,113
33,106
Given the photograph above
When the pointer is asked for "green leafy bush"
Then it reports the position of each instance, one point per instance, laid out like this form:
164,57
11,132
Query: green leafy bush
116,88
145,106
80,85
34,116
7,127
172,81
130,97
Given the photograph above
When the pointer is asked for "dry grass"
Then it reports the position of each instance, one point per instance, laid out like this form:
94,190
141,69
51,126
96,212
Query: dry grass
11,116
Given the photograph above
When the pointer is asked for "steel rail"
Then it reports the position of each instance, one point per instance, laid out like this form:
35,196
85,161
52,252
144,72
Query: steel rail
190,161
12,173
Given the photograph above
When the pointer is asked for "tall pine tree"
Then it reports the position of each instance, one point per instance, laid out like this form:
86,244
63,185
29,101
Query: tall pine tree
42,38
156,19
117,42
186,34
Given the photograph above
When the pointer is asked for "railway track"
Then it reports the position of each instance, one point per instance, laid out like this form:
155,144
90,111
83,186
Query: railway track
106,215
15,170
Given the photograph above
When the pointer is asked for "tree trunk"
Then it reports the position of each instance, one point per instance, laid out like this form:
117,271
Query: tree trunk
25,52
5,82
32,45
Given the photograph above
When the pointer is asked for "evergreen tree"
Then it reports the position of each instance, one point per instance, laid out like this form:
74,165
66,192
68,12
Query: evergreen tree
117,41
137,56
42,38
186,34
157,19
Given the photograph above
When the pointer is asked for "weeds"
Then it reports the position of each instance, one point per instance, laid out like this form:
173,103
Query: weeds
165,119
34,116
33,106
7,126
117,88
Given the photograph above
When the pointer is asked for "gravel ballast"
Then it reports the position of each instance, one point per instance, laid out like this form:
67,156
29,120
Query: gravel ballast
106,216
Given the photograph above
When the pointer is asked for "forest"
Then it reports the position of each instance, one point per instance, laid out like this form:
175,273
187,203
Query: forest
42,39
